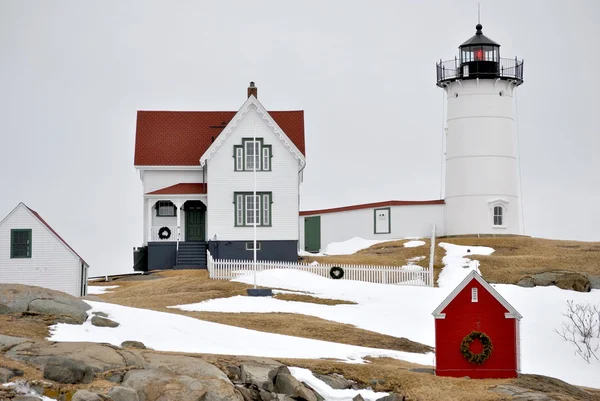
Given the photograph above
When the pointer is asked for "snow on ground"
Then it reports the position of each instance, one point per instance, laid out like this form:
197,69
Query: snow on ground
22,388
170,332
456,265
97,290
348,247
413,244
306,376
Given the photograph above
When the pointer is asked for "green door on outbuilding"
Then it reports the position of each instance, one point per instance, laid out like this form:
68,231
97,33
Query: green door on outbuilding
312,234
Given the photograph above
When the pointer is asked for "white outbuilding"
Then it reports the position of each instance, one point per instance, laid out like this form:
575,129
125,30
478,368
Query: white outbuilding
32,253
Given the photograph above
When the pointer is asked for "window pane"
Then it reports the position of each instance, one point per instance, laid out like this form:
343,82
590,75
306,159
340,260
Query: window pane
239,158
252,205
266,158
240,210
266,210
252,155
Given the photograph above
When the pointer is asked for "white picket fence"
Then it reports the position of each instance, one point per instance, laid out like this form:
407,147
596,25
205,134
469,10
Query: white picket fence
226,269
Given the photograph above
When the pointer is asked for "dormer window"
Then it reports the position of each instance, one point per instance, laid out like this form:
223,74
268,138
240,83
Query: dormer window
252,154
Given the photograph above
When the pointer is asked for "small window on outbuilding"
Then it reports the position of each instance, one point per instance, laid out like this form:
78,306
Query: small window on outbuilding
250,246
498,215
474,295
165,208
20,243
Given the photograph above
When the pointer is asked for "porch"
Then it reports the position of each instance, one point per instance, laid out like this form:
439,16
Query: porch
175,232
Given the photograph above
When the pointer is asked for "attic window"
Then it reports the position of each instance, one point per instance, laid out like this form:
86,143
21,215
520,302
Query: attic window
474,296
251,153
20,243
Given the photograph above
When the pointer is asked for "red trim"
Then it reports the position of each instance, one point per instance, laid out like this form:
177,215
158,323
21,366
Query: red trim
372,205
54,232
181,189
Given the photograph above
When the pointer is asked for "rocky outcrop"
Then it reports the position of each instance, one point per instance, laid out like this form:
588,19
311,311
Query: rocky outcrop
133,344
565,280
123,394
84,395
69,371
335,381
103,322
520,393
18,298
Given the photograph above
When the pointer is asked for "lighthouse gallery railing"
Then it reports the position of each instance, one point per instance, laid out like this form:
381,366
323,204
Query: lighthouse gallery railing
453,69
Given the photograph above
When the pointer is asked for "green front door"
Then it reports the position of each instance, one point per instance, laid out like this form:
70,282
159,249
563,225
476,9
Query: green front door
194,221
312,234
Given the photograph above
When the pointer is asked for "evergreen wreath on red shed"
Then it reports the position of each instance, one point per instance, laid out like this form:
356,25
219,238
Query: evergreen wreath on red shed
483,356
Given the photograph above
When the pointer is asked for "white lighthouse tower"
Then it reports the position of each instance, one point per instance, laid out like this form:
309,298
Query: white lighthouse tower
482,181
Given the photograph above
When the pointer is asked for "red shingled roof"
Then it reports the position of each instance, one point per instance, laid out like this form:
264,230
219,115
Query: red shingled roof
36,214
372,205
181,189
180,138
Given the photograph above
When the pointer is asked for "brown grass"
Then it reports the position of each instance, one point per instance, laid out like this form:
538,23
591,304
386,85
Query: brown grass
390,375
311,299
190,286
513,258
18,325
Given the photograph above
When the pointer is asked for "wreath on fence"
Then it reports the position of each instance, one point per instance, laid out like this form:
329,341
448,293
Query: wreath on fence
483,355
164,233
336,272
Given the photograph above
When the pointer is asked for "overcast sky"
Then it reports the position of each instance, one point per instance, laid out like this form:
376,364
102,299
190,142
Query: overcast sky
73,74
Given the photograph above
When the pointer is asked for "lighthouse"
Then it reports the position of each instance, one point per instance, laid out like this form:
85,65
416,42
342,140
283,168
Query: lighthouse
482,190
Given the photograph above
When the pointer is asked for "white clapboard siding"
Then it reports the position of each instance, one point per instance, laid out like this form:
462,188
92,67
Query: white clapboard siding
155,179
52,264
282,181
408,275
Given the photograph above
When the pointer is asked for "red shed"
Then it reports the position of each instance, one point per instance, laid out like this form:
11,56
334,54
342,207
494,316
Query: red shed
472,316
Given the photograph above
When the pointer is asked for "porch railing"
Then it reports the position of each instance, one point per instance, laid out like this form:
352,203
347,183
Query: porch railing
224,269
171,231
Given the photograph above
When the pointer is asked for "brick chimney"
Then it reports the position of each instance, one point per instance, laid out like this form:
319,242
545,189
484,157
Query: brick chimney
253,90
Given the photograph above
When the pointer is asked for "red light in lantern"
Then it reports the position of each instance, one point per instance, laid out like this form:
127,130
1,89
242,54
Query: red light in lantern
479,54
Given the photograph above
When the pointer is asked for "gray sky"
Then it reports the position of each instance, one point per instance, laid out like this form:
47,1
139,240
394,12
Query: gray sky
73,74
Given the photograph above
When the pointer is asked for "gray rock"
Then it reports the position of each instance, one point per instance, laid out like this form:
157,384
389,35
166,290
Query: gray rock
545,279
524,282
73,313
277,370
101,314
101,357
114,377
7,342
103,322
573,281
64,370
17,297
4,309
257,375
185,365
392,397
133,344
248,394
84,395
150,384
6,375
594,281
123,394
267,395
26,398
335,381
289,385
358,398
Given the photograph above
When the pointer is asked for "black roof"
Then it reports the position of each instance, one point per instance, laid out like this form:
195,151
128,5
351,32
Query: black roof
479,39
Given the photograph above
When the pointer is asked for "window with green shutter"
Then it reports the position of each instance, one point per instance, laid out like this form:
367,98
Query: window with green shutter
247,208
20,243
252,154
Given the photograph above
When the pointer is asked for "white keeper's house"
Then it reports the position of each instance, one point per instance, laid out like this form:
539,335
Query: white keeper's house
32,253
197,170
197,174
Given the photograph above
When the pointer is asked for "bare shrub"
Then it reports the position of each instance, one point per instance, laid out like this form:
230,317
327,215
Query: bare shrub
582,329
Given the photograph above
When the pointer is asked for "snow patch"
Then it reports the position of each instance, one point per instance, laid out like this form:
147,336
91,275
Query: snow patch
413,244
330,394
456,265
348,247
97,290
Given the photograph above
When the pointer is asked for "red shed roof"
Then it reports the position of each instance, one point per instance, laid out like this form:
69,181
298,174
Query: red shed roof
512,312
37,216
372,205
180,138
181,189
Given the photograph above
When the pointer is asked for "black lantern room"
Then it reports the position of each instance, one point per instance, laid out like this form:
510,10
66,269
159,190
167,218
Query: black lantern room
479,57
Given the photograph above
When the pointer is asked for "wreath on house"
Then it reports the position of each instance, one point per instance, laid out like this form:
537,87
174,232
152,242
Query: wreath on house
164,233
336,272
483,356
